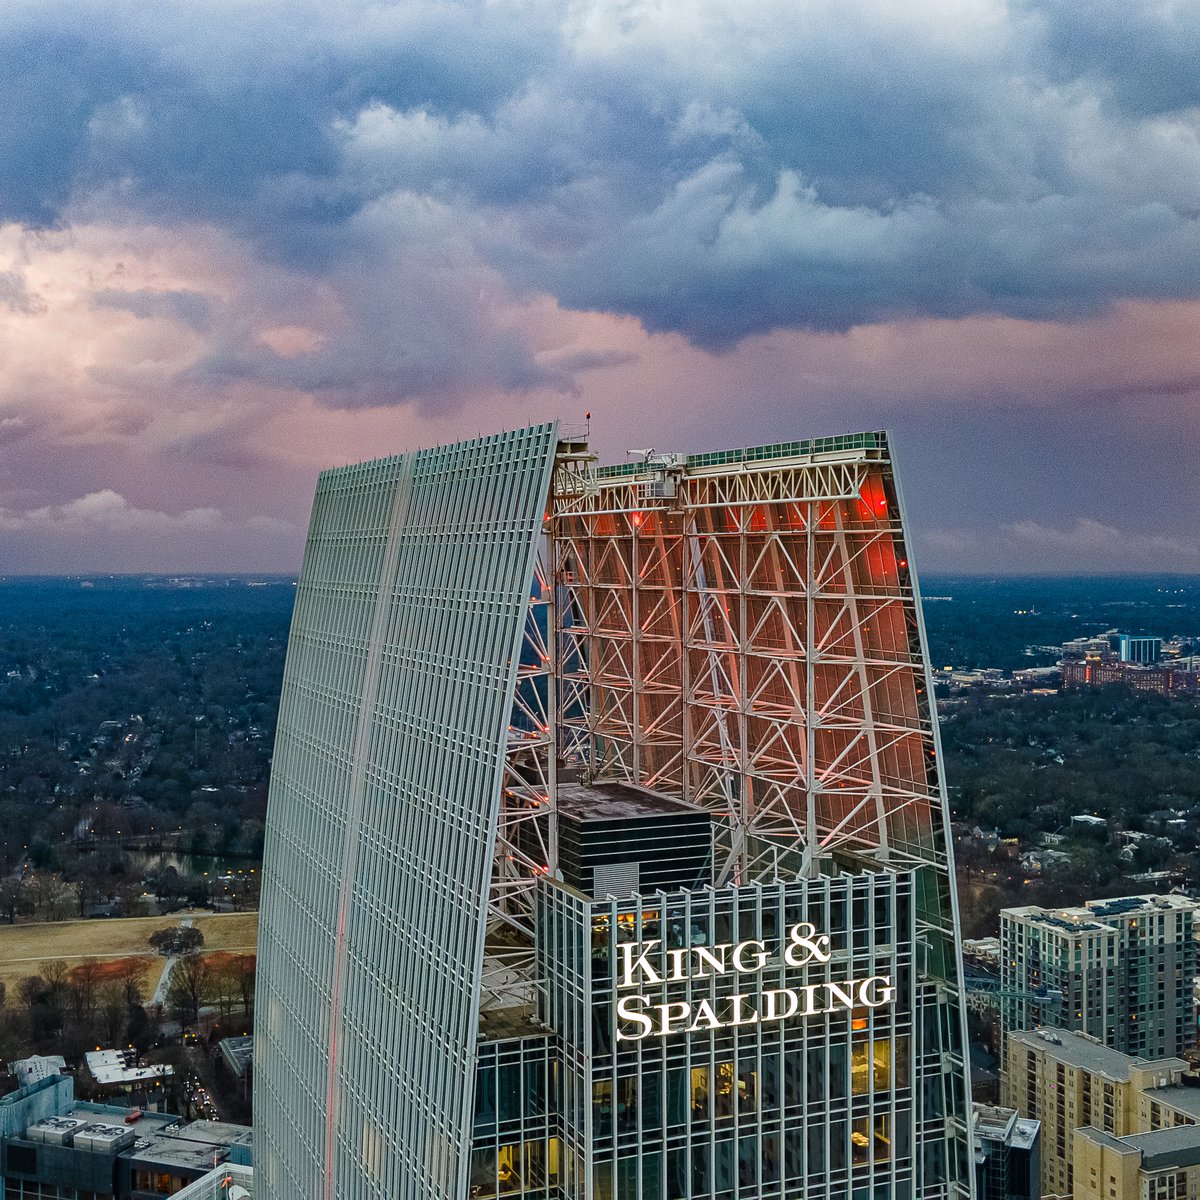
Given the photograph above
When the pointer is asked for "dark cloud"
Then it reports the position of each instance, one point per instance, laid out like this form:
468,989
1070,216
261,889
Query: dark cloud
188,308
1144,54
711,170
51,81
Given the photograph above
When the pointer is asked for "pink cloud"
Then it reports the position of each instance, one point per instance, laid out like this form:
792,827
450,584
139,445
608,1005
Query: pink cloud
107,397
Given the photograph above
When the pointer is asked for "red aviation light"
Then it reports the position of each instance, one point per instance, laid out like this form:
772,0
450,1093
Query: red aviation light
635,519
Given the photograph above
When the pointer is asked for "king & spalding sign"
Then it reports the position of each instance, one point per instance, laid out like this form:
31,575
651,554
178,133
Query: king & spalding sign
639,1016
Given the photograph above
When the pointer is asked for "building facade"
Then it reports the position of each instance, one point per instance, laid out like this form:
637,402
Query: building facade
1132,648
1069,1081
1008,1155
1160,1165
1120,970
607,847
54,1147
1167,680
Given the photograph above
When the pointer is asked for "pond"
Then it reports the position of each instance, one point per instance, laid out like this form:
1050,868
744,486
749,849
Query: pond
193,864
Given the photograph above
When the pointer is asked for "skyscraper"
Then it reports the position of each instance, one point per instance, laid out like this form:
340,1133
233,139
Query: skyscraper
607,842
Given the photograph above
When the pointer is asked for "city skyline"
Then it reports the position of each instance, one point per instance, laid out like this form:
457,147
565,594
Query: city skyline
239,245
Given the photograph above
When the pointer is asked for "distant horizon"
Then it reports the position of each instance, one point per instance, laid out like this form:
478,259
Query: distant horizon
14,576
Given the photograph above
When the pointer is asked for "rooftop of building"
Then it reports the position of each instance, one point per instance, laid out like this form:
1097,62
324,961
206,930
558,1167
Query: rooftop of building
1000,1124
1124,905
753,454
1024,1133
991,1120
195,1146
38,1066
1079,1050
586,802
1062,920
1094,915
157,1139
1178,1097
108,1129
238,1052
119,1067
1160,1149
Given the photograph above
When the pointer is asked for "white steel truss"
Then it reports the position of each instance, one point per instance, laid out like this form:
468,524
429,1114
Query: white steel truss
746,637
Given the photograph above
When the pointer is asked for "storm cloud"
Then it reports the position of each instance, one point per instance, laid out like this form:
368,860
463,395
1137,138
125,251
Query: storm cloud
715,169
469,213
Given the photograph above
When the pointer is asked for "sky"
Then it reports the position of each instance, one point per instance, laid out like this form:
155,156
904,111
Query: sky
242,242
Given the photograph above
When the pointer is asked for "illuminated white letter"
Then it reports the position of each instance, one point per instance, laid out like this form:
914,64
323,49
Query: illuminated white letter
719,965
629,964
739,1017
705,1018
809,992
876,991
625,1012
844,995
771,1013
805,945
759,956
681,1012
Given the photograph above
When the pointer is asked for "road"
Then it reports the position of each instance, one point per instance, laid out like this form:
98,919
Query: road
160,993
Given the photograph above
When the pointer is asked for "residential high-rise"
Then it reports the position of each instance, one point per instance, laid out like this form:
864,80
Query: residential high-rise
1070,1081
1161,1165
1120,970
607,845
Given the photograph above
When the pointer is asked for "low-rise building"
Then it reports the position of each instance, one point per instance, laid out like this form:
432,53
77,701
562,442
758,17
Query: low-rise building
1164,678
119,1073
52,1145
1007,1155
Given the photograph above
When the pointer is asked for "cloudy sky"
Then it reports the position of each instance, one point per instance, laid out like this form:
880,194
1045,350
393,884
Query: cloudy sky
240,242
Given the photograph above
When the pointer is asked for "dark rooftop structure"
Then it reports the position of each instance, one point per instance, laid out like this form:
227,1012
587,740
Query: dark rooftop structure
616,840
238,1053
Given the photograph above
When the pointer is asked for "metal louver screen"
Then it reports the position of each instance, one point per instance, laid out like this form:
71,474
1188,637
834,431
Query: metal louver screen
616,879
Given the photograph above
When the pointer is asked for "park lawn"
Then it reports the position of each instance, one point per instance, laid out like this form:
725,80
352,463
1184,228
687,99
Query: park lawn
23,948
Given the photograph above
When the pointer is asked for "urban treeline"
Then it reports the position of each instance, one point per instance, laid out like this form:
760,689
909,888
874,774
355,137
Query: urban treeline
137,718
